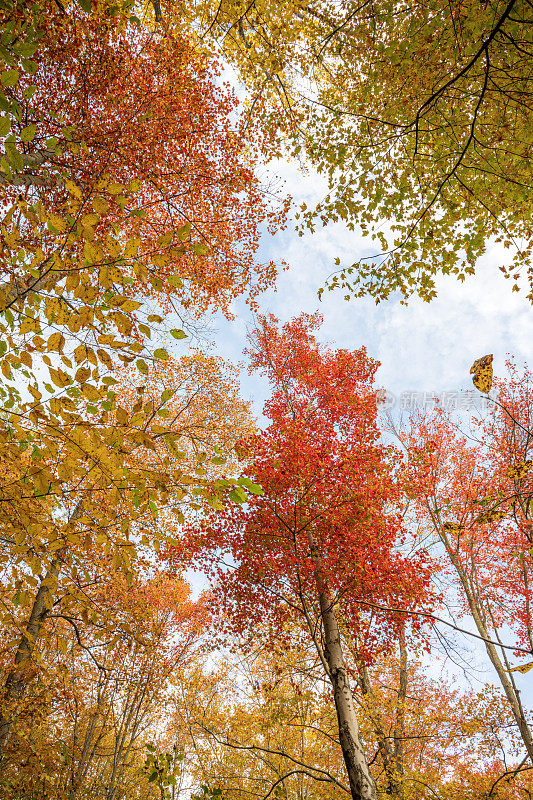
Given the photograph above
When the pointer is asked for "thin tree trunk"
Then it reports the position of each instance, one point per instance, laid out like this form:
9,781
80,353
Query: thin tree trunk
362,785
399,727
391,752
15,684
479,616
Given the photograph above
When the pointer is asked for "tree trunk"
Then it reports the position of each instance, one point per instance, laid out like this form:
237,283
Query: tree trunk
391,752
16,682
362,784
479,616
399,727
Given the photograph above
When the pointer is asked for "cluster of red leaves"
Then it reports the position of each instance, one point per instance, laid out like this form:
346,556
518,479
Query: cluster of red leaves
146,107
323,469
477,487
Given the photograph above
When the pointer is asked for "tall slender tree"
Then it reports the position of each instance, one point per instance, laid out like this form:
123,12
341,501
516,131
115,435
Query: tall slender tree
322,533
472,492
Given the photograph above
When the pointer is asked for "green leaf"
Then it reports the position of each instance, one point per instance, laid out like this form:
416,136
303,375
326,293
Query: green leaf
177,333
10,77
252,487
14,157
238,495
86,5
30,66
161,353
5,126
28,133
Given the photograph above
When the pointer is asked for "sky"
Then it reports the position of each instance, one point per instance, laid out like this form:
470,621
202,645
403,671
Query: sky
421,346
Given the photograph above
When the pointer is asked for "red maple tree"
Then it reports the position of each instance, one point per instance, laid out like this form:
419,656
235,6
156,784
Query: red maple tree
322,541
141,121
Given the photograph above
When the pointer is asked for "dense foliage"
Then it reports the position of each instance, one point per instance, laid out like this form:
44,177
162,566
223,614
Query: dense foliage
336,563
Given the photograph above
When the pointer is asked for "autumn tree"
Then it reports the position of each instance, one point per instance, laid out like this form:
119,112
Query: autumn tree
118,109
419,116
96,93
322,531
162,448
258,720
471,491
86,94
103,698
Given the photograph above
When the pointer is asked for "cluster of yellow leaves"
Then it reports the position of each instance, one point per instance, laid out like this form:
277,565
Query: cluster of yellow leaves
106,441
492,515
518,471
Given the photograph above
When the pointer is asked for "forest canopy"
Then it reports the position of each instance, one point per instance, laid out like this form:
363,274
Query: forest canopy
346,560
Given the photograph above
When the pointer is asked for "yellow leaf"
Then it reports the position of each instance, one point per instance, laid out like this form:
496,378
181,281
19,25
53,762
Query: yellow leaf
482,372
92,252
82,374
28,324
73,189
492,515
131,305
35,393
100,205
113,247
184,231
141,271
117,300
73,279
132,248
88,233
523,667
165,239
90,392
58,222
453,528
80,353
122,416
88,220
104,358
59,377
161,259
56,342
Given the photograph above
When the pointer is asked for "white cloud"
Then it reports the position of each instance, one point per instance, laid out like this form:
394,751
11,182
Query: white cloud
421,346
